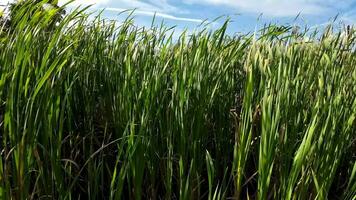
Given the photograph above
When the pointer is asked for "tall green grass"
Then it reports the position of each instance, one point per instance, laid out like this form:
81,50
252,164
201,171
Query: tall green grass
93,109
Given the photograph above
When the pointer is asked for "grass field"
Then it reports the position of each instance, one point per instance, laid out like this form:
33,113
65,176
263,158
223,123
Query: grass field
93,109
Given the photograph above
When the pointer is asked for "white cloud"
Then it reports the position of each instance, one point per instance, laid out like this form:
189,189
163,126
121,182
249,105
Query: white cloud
164,5
160,8
279,7
148,5
95,3
158,14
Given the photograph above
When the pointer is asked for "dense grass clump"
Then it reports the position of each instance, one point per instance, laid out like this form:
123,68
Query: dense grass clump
91,109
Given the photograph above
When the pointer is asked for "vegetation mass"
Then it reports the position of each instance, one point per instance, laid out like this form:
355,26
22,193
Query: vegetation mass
96,109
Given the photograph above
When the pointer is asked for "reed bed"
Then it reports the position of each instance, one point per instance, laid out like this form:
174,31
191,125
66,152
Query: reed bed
94,109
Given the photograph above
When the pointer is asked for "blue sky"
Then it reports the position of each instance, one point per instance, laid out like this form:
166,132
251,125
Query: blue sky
247,15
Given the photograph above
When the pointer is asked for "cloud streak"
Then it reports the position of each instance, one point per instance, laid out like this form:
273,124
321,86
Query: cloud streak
157,14
156,8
